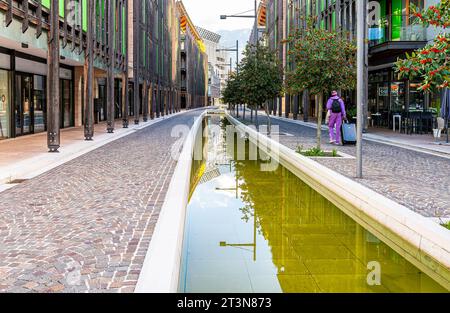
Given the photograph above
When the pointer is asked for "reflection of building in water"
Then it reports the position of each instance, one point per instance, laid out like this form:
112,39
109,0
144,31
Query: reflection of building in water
249,230
314,245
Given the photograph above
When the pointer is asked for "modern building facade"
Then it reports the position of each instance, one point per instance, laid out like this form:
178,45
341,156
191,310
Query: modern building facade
157,48
260,23
391,33
217,57
194,63
83,62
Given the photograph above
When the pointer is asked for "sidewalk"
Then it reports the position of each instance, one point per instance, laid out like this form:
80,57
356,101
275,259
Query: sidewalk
407,169
27,157
86,225
422,143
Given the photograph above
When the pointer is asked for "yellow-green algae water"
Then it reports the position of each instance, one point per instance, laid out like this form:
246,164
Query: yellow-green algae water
253,231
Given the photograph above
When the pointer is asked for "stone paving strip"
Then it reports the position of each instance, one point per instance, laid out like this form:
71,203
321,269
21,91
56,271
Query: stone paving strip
85,226
417,180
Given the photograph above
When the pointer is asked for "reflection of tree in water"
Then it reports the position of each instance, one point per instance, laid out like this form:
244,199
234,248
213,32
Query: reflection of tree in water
258,189
301,226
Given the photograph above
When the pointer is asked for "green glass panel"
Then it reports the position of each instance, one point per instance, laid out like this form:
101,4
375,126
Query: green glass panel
396,19
85,15
46,4
333,21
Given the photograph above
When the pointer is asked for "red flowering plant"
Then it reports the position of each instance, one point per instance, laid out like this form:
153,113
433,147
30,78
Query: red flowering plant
432,63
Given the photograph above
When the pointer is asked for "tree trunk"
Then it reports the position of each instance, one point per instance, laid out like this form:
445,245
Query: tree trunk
319,119
269,122
243,111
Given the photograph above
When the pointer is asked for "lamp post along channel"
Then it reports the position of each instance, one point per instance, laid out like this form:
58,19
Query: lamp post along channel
361,16
255,30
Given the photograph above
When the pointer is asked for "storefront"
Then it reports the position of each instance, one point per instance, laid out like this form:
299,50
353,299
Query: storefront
29,104
23,95
66,103
388,96
5,106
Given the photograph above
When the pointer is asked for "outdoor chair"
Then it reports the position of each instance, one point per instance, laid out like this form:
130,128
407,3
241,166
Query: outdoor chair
427,122
412,122
440,126
406,122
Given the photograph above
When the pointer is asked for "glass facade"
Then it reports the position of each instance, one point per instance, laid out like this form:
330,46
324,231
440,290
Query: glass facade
23,103
5,105
67,108
25,111
391,20
40,100
388,96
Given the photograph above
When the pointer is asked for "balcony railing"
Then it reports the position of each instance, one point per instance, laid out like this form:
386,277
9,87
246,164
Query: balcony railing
396,28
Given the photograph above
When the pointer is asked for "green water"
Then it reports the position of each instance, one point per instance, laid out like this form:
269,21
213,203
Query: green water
254,231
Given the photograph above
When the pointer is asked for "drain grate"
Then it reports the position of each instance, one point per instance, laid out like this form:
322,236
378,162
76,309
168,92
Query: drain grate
17,181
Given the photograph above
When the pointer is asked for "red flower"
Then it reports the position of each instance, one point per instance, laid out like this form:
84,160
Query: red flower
436,50
425,52
432,73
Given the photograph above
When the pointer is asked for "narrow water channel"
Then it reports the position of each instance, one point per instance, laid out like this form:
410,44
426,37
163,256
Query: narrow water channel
249,230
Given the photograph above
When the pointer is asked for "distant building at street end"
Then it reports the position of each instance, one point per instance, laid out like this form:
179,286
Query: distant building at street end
217,58
194,63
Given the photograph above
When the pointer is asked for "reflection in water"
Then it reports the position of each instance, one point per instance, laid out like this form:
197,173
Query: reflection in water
254,231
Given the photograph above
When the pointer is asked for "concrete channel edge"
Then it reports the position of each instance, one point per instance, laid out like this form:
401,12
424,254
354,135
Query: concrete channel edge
161,268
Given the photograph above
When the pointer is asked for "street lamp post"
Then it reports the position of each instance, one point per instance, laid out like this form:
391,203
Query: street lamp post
237,62
255,29
233,50
361,14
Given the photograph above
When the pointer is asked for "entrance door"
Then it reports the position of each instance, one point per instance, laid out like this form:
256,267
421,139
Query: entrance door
101,103
65,90
23,104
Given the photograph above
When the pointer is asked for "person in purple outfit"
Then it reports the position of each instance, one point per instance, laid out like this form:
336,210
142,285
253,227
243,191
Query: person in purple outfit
336,108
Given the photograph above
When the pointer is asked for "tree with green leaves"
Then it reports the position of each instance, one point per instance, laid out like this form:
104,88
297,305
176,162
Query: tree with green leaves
432,63
260,78
232,94
325,61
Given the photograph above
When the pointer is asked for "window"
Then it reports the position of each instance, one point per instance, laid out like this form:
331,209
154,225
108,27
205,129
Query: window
4,105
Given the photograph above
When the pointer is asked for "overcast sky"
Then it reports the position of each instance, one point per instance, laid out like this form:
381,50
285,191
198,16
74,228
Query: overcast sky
206,13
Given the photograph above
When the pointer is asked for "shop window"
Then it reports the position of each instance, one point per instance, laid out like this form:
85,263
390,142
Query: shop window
416,97
397,91
39,97
5,105
67,103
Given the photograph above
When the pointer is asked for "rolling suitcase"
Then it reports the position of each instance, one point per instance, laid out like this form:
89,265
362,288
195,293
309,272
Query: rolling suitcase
348,134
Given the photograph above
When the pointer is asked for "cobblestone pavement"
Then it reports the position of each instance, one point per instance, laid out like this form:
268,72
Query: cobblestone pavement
417,180
85,226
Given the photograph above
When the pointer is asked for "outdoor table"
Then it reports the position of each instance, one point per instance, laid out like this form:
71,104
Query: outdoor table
376,118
